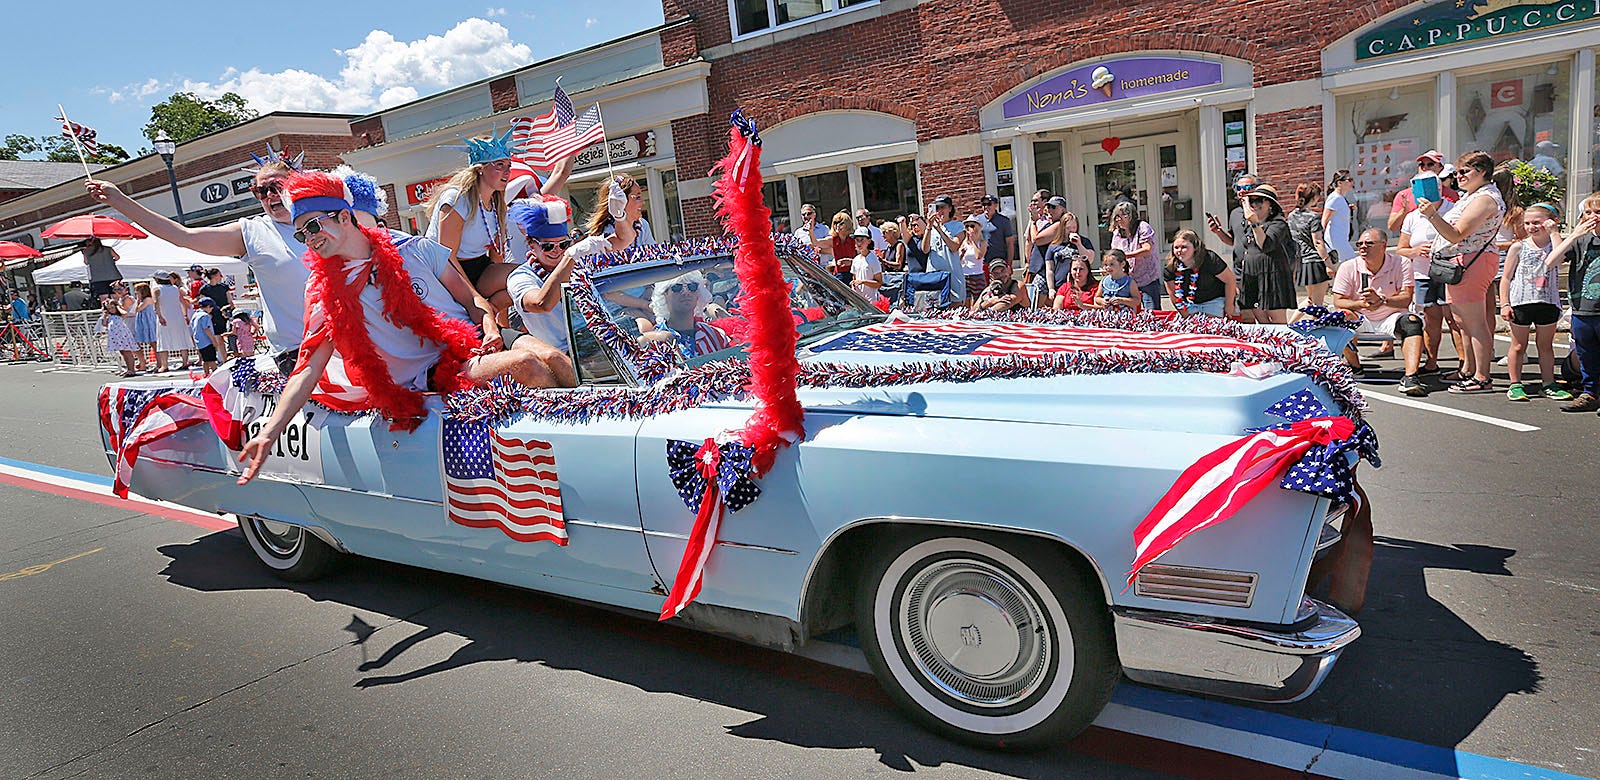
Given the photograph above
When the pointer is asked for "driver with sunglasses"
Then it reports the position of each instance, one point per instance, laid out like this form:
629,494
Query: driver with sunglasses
266,243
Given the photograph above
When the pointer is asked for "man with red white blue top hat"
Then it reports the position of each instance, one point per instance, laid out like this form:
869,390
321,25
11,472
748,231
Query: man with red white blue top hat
387,318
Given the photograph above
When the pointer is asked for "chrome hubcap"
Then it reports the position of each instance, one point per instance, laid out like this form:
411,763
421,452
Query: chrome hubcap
280,539
975,632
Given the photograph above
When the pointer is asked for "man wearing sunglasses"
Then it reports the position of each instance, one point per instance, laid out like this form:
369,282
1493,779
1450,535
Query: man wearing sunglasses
535,286
265,242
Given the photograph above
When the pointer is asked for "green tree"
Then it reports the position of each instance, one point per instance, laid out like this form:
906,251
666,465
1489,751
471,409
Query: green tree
187,116
56,148
16,145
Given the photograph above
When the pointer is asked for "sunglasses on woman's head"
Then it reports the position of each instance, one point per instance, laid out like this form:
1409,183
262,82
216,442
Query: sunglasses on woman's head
680,287
313,226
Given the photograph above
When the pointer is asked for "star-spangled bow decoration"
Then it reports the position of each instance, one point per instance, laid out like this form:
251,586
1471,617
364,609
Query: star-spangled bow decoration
732,469
1322,317
709,478
1325,469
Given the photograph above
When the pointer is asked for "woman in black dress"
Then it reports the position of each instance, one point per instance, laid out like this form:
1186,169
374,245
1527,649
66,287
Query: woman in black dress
1305,224
1269,257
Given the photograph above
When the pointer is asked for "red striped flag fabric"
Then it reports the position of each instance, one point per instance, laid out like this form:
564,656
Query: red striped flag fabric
83,133
996,339
495,480
1218,485
165,415
558,134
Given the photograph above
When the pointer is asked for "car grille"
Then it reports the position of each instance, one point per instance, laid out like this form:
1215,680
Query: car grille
1202,586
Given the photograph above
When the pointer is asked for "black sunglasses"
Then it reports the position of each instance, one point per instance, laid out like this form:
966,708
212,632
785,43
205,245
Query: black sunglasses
548,246
313,226
1254,200
690,286
1369,243
265,191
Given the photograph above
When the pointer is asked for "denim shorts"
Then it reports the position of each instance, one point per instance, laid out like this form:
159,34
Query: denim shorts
1425,293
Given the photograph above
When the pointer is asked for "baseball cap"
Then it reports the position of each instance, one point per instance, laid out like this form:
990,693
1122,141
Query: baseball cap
861,232
197,267
987,198
1447,171
204,300
999,262
944,200
973,219
1432,154
1057,201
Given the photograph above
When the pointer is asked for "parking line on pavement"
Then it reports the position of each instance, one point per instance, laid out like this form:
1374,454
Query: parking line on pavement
1379,395
97,489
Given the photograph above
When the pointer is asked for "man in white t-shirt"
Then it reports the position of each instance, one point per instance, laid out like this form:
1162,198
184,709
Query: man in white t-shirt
266,242
815,236
1377,285
535,286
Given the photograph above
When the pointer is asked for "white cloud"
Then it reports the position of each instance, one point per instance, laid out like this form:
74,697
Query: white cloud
590,22
493,12
379,72
135,91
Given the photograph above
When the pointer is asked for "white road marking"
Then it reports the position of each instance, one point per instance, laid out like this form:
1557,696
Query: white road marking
1415,404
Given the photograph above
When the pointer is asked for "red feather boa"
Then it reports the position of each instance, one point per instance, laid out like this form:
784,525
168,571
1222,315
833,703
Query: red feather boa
764,300
342,307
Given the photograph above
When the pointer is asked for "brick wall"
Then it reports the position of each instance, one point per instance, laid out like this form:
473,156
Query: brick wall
1289,148
503,94
367,132
961,179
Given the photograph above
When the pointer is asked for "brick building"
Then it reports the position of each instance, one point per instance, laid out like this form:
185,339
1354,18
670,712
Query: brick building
885,104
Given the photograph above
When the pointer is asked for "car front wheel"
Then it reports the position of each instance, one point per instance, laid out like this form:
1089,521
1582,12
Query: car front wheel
291,552
992,643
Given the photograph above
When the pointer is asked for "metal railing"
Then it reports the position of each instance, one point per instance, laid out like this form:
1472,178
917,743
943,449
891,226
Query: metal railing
74,339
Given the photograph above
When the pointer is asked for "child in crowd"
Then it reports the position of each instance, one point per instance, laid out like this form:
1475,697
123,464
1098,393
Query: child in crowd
244,334
119,337
1116,287
866,270
1080,290
1530,299
1583,293
205,334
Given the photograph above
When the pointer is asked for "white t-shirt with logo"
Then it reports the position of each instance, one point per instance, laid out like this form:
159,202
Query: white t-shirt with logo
281,275
551,326
479,227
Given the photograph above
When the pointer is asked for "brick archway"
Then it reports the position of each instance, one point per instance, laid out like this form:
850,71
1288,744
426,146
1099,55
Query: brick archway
814,104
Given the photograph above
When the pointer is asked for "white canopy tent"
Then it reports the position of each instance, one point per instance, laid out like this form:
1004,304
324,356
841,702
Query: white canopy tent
140,259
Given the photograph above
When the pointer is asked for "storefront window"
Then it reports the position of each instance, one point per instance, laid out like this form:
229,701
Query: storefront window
776,195
830,192
669,193
889,190
1047,168
1380,134
1522,114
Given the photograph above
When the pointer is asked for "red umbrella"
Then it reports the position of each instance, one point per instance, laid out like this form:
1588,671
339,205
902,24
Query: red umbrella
11,250
93,226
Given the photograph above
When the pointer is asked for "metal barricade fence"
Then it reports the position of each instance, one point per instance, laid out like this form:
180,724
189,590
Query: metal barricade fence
74,338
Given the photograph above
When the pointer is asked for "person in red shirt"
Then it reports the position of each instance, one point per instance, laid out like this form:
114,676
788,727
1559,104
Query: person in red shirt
1431,161
197,279
1081,288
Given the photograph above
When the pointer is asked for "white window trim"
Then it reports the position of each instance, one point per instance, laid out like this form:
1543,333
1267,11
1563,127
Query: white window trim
772,13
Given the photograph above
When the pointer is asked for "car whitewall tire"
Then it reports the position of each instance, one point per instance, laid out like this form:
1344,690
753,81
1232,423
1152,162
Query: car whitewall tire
994,643
291,552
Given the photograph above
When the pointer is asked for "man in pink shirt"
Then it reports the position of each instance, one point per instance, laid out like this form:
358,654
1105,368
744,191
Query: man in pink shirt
1431,161
1377,285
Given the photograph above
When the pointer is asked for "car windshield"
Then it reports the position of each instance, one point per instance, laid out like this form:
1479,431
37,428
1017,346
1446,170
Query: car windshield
695,305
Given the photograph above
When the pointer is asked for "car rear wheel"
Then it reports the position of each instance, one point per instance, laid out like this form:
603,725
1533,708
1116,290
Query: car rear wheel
291,552
991,643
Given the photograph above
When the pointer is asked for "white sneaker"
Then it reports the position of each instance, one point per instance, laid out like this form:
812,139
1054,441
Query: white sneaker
1503,360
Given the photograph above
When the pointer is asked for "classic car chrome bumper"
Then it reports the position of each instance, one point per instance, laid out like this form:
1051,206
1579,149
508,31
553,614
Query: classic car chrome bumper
1222,659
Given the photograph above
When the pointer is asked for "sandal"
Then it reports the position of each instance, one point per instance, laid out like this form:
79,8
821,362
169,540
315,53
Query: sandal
1472,387
1453,377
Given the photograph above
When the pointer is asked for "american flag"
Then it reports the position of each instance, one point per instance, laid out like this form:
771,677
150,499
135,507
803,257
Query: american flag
119,407
558,134
499,481
164,415
83,133
995,339
1218,485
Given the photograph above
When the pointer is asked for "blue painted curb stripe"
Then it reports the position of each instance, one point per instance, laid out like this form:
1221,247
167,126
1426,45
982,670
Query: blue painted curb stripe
95,479
1376,747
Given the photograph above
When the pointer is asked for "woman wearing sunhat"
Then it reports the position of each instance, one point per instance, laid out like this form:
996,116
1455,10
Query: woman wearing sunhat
1269,257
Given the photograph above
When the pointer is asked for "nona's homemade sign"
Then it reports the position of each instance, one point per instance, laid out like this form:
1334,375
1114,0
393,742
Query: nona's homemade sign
1113,81
1453,22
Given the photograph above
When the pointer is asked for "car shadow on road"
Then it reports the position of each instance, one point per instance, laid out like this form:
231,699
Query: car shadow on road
796,701
1420,671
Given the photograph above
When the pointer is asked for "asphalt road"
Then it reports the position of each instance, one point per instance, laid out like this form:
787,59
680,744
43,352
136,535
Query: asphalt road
154,647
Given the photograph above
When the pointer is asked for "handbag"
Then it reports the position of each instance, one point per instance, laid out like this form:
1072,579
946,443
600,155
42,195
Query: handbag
1443,270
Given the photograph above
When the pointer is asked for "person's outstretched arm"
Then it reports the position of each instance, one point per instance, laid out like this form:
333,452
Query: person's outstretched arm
295,394
217,241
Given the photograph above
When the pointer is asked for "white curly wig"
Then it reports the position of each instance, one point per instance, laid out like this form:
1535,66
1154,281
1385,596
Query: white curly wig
658,295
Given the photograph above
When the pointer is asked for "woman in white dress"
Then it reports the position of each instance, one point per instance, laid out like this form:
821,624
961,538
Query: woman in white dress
1336,215
172,322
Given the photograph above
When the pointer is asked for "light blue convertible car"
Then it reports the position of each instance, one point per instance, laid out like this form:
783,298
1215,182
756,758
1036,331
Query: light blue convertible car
971,515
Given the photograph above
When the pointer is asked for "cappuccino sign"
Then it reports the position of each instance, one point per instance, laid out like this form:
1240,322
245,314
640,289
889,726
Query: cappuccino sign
1453,21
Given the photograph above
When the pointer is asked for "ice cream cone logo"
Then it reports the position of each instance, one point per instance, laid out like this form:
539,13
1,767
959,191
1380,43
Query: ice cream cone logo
1102,79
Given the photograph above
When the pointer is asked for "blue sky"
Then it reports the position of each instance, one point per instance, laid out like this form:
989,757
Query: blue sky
110,62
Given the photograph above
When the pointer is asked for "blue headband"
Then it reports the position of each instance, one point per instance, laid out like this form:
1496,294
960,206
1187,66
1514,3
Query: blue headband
312,203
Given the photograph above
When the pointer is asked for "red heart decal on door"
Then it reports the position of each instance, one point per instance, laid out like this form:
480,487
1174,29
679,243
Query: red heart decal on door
1111,144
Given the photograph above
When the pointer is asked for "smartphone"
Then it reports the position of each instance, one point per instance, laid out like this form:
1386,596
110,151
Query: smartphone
1366,281
1209,215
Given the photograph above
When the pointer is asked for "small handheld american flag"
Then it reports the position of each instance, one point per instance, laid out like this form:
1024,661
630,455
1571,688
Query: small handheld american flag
84,134
557,134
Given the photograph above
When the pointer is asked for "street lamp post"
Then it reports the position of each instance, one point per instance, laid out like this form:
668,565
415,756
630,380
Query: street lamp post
165,147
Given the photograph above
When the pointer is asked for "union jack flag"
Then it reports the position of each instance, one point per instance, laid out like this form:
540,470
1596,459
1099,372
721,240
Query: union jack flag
83,133
557,134
995,339
501,481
